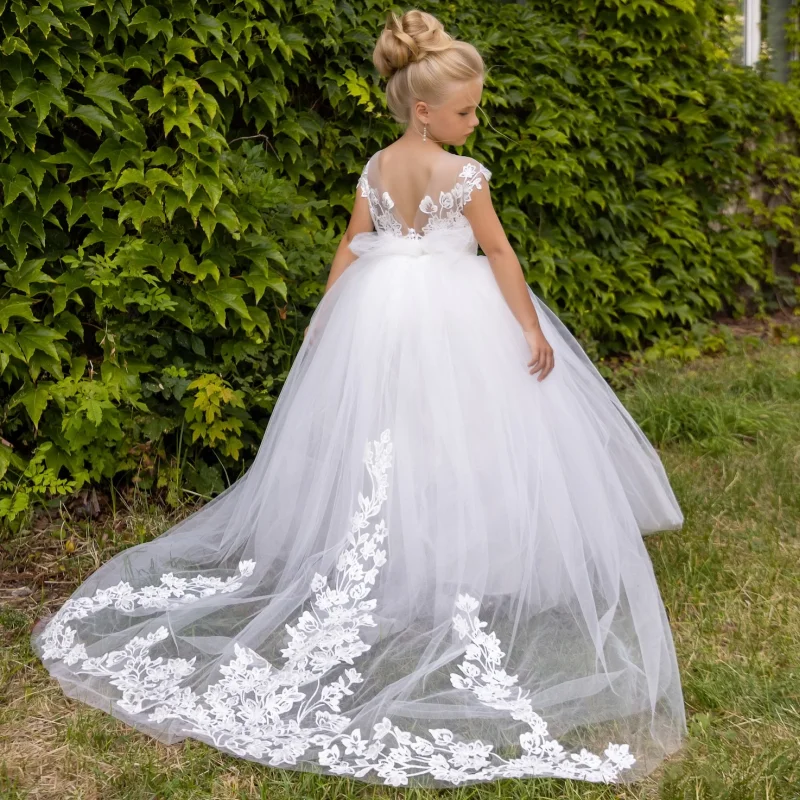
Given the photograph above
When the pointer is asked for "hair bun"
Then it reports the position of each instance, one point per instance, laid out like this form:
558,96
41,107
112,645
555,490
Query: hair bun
409,38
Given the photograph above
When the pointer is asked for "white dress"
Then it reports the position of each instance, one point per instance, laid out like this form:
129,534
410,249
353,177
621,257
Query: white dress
433,574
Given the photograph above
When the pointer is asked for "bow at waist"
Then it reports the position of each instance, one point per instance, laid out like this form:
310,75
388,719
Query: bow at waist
447,241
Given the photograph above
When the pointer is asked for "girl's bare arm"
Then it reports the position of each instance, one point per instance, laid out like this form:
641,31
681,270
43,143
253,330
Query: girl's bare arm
507,271
360,222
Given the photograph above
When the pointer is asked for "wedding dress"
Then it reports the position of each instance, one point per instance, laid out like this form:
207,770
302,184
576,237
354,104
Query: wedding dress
433,573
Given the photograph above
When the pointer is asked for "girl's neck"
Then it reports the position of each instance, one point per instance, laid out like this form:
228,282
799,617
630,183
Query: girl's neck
413,139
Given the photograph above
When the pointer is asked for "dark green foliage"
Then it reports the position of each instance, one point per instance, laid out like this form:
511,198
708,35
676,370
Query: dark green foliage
176,175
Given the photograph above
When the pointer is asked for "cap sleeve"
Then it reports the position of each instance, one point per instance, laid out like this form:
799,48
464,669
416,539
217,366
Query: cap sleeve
472,177
363,184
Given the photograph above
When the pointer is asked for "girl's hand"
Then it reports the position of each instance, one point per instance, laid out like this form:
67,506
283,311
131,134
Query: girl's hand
312,338
541,353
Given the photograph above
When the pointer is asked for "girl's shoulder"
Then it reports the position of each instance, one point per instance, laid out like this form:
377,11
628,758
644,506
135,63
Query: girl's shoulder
450,169
447,157
463,168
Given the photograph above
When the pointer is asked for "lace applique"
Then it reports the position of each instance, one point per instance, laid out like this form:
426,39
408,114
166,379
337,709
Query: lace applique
277,714
59,636
447,213
380,207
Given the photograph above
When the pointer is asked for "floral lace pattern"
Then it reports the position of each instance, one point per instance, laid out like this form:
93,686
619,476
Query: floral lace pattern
277,715
59,637
447,213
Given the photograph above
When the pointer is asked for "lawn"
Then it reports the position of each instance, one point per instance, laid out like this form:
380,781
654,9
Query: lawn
728,429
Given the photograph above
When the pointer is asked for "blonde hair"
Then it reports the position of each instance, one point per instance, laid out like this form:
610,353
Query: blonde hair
421,59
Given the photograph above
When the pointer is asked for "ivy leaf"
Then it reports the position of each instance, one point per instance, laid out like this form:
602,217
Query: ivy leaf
189,182
226,216
111,235
200,271
36,337
93,117
96,201
41,94
8,345
13,44
130,175
260,250
102,87
30,271
156,176
19,184
170,253
132,129
7,114
260,320
16,217
259,279
45,19
153,23
15,307
118,154
181,119
358,87
164,155
269,93
180,46
48,197
35,400
213,187
30,163
278,284
155,99
205,26
173,200
221,74
642,306
67,321
208,222
227,294
75,155
139,213
185,313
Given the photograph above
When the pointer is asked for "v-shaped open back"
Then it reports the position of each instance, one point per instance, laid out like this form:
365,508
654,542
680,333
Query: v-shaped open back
401,191
449,183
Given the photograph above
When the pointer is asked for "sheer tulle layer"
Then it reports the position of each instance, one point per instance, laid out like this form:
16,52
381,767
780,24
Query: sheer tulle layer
432,574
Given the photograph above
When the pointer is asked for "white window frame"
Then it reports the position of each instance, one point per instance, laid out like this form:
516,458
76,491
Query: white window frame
752,31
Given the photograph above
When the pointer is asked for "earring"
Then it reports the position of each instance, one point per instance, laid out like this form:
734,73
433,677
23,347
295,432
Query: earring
425,132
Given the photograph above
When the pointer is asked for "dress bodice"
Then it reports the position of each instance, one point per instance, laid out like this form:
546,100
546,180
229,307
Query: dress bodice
449,188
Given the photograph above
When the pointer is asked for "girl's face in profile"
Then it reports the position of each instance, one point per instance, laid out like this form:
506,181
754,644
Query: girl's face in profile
454,120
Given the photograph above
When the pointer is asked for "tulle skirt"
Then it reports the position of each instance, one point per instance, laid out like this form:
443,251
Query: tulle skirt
433,573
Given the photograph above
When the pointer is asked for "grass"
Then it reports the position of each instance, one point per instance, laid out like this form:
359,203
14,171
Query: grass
728,428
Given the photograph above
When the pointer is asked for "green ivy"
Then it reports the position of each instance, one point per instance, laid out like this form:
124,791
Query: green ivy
176,175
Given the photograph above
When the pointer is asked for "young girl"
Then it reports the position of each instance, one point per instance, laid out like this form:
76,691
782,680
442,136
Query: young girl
433,573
